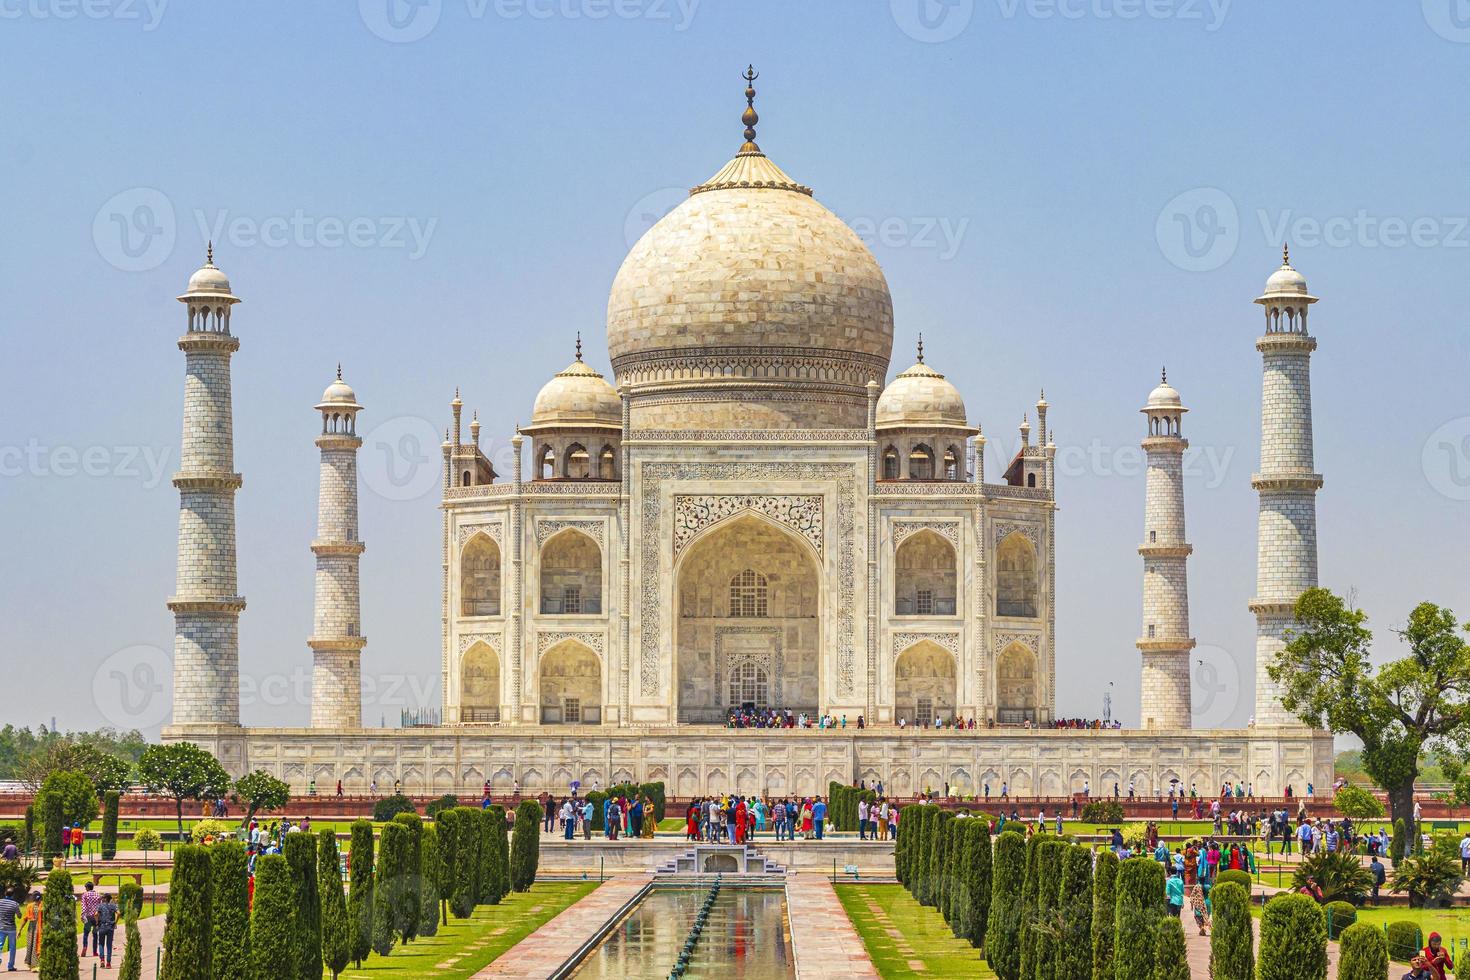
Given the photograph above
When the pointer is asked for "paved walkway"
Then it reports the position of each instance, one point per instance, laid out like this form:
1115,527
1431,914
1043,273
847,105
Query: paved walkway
822,936
1199,949
548,947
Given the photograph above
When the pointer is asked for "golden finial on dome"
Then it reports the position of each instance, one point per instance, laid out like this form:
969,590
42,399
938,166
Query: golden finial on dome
921,348
209,253
749,117
1285,255
579,346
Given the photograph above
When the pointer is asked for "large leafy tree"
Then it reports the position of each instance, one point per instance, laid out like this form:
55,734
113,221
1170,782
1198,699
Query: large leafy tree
77,795
259,790
182,771
1397,709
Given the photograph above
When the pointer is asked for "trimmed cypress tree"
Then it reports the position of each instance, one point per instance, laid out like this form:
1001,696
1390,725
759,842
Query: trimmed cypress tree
187,935
1171,961
485,874
58,959
938,864
1139,897
901,846
928,839
1104,914
525,846
230,910
1232,954
360,895
336,929
467,864
447,824
1074,951
1030,904
110,802
411,899
129,906
952,892
1398,843
273,940
300,852
500,854
51,826
387,889
430,871
977,916
1044,932
129,895
1362,953
1003,930
1293,940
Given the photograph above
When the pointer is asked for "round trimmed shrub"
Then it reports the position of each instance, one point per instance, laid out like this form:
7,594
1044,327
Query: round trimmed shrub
1293,940
391,806
1362,953
1404,940
1003,930
434,807
1241,878
1139,897
186,937
1232,953
1339,915
1104,884
1171,962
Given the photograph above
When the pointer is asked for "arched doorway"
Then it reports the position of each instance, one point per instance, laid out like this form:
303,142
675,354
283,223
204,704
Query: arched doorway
571,575
479,685
1015,685
1015,577
571,685
479,578
924,684
747,625
924,576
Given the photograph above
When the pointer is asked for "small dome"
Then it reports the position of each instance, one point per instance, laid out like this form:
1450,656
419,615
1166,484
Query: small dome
1165,396
921,396
1286,281
339,395
209,280
578,397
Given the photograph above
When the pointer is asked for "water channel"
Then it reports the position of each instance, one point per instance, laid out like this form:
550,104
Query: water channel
747,936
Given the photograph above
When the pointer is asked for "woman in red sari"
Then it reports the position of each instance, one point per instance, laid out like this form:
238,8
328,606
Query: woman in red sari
691,820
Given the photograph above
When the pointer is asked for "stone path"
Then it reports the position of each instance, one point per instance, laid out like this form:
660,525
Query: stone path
548,947
822,936
1199,949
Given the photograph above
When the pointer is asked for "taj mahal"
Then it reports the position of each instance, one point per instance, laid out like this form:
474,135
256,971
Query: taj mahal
750,509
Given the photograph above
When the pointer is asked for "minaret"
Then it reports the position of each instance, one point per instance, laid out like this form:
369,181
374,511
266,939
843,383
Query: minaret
1165,643
206,602
1286,554
336,639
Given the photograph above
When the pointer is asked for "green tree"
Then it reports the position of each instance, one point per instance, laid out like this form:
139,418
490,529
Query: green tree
467,863
978,871
182,771
1003,930
430,873
525,846
129,907
189,930
274,942
229,910
110,802
1030,904
409,901
1139,898
486,887
939,860
1074,951
59,929
1397,709
1171,960
1046,931
336,927
51,823
1362,953
1340,875
1293,940
1358,803
306,961
500,854
259,790
1232,953
446,822
78,796
393,848
360,898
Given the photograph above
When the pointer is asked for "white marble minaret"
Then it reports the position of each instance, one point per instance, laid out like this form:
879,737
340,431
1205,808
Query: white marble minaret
336,638
1286,559
1165,642
206,603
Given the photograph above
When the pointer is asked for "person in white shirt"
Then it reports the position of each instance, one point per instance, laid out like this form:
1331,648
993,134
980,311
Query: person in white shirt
862,819
1465,854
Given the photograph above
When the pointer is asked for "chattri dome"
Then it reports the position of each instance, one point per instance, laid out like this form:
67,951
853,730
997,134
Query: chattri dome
577,397
921,396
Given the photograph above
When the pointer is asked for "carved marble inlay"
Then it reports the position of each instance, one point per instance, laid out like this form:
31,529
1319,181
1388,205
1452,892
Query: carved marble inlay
653,475
545,529
591,639
1031,641
949,530
491,640
1032,533
950,641
694,513
491,531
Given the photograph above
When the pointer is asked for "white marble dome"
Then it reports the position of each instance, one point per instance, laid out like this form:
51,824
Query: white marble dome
578,396
1164,396
921,396
208,281
752,272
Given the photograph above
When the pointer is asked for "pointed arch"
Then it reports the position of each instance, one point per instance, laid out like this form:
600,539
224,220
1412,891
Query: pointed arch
479,684
607,463
924,576
890,463
921,462
569,677
571,574
924,684
1016,582
576,463
1016,682
479,577
546,463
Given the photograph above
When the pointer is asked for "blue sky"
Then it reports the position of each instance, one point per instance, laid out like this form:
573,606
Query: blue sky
1063,194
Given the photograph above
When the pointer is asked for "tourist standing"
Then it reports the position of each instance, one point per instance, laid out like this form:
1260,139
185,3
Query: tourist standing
819,816
91,900
862,816
9,909
106,926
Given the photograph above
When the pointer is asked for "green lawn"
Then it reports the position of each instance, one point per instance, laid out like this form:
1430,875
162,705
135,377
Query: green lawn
903,938
466,946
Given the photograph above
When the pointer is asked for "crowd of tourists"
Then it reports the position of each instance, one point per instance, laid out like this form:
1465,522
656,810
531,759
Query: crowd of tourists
1087,724
622,816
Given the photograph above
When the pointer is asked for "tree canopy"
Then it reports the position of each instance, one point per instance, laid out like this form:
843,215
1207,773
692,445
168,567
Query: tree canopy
182,771
259,790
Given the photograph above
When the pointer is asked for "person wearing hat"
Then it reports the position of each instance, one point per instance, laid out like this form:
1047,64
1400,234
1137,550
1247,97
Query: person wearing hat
1437,957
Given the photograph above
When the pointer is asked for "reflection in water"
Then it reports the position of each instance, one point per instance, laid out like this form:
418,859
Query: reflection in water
747,936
